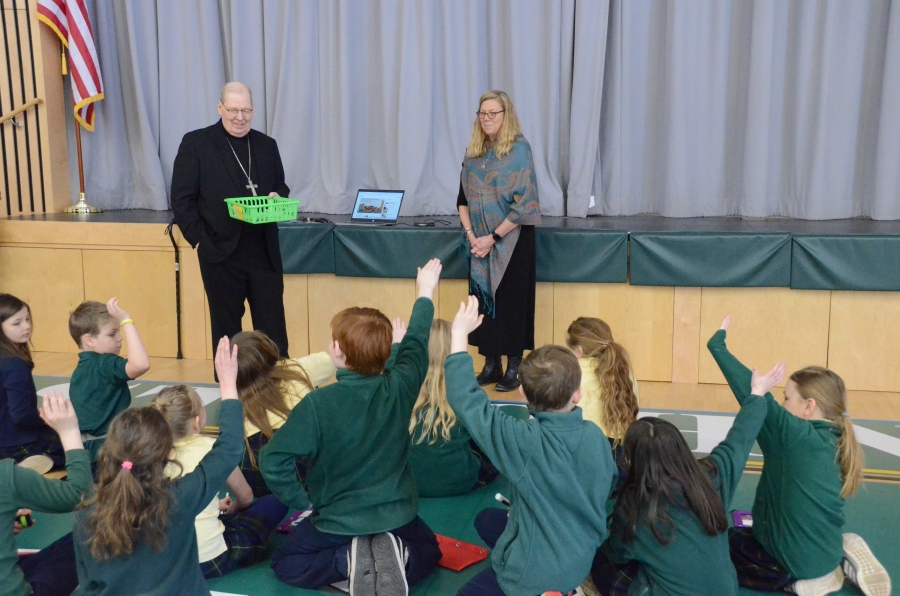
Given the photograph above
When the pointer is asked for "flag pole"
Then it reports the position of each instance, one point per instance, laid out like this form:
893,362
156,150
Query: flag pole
82,206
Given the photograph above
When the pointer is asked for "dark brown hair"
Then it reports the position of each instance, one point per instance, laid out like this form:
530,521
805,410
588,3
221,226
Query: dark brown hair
364,335
9,307
131,506
618,401
550,375
664,473
261,373
88,318
826,387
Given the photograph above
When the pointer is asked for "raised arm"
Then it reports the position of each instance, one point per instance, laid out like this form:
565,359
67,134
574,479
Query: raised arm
411,362
33,491
138,359
503,438
736,374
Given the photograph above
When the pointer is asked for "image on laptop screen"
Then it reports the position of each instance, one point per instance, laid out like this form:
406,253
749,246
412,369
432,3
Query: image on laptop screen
377,205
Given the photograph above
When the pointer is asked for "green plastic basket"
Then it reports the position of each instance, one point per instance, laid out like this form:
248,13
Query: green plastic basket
257,210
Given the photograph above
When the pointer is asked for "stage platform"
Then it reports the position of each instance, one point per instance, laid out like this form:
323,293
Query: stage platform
810,292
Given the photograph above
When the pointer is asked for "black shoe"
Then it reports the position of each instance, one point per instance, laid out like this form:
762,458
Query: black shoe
510,380
492,371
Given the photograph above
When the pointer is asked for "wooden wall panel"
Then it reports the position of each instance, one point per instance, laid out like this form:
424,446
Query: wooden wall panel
768,324
863,346
51,282
640,316
686,335
296,314
329,294
144,283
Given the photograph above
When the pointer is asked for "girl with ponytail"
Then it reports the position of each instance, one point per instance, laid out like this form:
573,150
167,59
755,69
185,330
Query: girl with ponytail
610,391
813,462
136,534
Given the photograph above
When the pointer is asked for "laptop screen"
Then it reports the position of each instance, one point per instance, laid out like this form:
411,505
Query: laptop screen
377,205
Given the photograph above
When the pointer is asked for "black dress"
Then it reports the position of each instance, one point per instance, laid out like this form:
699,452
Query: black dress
511,330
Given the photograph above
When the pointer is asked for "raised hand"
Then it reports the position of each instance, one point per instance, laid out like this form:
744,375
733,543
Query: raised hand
427,278
466,320
59,414
399,327
726,322
115,311
762,384
226,368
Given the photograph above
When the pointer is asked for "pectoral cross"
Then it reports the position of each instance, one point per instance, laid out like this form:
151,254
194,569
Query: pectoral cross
252,187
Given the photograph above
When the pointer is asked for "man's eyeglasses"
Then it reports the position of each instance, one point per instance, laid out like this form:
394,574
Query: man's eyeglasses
233,112
488,115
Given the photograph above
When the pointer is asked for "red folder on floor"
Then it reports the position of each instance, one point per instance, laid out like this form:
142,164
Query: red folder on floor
457,555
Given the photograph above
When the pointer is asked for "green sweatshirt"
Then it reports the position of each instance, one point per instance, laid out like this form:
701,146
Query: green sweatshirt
174,570
355,434
798,513
694,562
445,468
21,488
560,471
99,390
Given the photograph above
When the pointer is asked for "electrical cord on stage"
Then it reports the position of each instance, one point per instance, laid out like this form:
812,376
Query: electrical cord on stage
321,220
428,223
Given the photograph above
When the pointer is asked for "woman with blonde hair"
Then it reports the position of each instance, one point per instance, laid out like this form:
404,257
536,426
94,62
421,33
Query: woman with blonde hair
813,463
498,208
443,457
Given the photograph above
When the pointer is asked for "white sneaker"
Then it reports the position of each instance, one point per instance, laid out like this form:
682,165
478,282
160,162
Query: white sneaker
39,463
390,565
819,586
863,569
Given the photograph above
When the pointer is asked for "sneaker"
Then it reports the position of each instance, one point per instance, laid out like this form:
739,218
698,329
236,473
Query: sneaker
390,565
819,586
863,569
39,463
361,567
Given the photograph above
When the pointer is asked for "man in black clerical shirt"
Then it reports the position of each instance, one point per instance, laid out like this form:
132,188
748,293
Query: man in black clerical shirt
238,261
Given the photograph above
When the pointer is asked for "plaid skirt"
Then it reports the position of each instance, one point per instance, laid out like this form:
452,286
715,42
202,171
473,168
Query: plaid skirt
246,533
47,444
611,579
756,569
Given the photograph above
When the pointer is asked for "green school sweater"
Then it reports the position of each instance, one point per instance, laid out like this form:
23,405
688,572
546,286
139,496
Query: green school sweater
174,570
560,471
26,489
354,434
99,391
445,468
694,562
798,513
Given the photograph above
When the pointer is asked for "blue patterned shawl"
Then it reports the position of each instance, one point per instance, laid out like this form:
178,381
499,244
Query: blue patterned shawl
497,189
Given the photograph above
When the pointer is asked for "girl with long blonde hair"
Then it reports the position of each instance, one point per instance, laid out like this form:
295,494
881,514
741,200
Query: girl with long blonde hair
270,387
813,462
136,534
610,391
443,457
231,533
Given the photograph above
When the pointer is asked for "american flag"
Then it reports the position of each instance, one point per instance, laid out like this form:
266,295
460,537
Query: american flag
69,19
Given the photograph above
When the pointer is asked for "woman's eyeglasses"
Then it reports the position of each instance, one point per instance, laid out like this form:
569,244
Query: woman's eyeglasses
488,115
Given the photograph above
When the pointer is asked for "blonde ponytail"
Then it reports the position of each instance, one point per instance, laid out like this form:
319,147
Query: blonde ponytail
827,389
432,407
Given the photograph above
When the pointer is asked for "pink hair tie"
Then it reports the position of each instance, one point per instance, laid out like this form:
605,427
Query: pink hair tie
127,465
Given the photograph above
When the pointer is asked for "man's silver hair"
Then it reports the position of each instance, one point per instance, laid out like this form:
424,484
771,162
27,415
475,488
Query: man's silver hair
235,87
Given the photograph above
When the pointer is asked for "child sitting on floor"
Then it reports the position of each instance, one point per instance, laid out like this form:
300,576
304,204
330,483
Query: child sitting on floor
52,570
559,467
443,458
23,435
99,387
231,533
668,534
270,387
136,535
813,462
365,527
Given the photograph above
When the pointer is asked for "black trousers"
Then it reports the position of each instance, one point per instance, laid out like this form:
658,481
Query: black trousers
248,275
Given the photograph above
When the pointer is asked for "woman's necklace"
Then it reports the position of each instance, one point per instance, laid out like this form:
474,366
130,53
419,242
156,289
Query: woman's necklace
484,163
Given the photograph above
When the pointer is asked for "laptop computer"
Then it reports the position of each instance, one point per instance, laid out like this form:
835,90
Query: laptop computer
375,207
